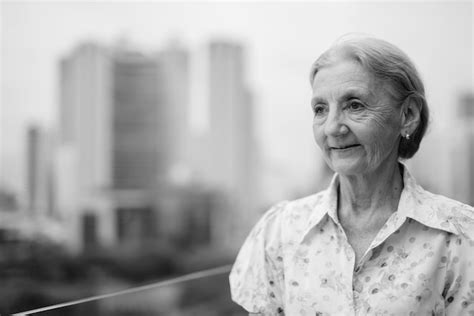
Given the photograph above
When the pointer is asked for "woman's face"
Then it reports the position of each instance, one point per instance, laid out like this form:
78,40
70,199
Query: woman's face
356,123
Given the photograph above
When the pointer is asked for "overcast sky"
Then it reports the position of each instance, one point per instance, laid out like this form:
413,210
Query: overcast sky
282,40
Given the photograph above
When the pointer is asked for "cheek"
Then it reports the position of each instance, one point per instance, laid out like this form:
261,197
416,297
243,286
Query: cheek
381,140
318,135
379,128
379,118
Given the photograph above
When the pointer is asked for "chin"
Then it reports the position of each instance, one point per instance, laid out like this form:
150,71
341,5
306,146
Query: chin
347,168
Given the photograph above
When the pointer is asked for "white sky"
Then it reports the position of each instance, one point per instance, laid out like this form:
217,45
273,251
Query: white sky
282,40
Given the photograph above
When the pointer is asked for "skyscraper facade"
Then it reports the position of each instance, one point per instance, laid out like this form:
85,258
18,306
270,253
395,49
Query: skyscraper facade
136,129
232,154
462,162
174,67
39,182
33,164
83,159
85,113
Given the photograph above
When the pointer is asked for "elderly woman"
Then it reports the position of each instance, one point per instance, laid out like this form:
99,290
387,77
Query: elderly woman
374,242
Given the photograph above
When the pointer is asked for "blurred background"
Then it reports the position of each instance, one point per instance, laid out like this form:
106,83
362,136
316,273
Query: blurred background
140,141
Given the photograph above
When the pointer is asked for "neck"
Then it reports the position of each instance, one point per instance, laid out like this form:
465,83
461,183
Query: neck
372,194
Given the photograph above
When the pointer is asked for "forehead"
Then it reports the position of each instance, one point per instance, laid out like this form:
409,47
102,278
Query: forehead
342,76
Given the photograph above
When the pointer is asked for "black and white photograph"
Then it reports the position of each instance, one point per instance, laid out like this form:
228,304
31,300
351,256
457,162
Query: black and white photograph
181,158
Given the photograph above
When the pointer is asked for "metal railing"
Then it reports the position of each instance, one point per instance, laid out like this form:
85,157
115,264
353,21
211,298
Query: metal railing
184,278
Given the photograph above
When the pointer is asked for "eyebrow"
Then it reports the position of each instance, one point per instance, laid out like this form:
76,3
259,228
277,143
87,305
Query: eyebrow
355,92
316,100
348,94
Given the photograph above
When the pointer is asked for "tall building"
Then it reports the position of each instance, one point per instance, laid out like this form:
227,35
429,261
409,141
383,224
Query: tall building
85,141
37,218
84,172
85,112
150,120
151,133
463,154
232,152
122,130
33,166
136,130
39,182
174,67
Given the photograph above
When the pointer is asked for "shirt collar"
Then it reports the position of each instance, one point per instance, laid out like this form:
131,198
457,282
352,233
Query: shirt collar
326,205
415,203
425,207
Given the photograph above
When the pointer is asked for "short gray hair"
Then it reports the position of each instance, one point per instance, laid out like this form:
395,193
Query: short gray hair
389,64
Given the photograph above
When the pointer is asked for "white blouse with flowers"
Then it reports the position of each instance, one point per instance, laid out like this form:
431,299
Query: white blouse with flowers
297,260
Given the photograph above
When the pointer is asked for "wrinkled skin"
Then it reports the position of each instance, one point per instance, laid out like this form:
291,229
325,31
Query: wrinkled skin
352,108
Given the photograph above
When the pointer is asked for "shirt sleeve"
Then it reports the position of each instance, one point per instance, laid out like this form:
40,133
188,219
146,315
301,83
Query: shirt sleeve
459,283
257,278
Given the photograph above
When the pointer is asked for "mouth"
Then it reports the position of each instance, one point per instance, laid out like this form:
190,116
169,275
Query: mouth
344,147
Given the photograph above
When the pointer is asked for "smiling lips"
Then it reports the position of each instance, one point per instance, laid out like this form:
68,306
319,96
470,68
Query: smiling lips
344,147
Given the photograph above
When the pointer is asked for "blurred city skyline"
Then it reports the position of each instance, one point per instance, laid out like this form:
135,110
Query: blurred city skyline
122,173
281,40
124,151
143,140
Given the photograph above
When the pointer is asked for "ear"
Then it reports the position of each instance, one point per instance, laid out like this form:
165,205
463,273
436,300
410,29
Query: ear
411,112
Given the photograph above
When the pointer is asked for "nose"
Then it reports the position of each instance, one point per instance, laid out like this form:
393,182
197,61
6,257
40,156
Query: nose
334,125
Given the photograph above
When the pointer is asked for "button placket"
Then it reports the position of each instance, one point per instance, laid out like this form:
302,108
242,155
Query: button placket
357,288
393,224
358,268
357,285
385,233
352,295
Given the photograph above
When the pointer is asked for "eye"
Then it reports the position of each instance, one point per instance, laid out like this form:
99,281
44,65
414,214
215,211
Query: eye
319,109
355,105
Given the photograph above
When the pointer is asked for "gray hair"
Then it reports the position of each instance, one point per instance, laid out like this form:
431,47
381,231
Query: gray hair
388,64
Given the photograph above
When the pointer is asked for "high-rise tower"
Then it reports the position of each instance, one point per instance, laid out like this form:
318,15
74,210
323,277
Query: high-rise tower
463,151
231,126
40,188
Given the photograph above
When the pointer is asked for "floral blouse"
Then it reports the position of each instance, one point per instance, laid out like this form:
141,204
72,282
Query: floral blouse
297,260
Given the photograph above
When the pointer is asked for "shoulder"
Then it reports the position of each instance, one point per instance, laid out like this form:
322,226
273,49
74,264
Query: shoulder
298,206
270,222
277,227
289,217
458,215
436,210
284,221
308,202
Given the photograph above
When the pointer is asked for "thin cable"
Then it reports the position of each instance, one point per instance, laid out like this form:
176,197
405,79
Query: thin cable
183,278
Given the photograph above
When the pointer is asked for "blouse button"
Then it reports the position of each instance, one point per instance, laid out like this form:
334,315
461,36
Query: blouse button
357,287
